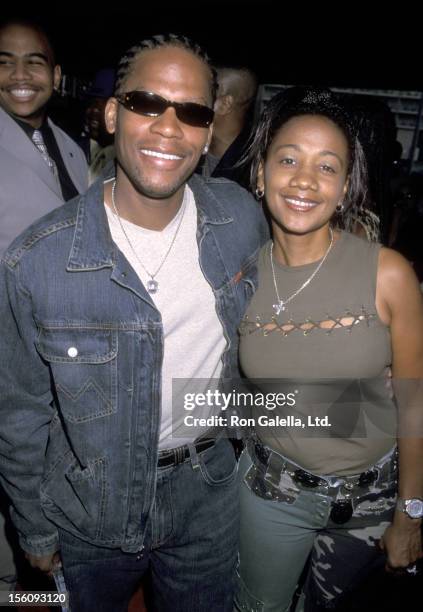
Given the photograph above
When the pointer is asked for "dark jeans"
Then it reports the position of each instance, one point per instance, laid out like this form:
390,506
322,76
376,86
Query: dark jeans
190,546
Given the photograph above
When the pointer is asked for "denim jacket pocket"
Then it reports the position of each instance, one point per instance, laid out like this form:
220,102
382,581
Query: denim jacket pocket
83,364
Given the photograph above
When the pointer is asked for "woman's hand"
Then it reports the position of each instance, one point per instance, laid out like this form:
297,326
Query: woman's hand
402,542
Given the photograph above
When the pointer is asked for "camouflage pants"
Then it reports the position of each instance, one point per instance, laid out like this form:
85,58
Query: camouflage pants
280,538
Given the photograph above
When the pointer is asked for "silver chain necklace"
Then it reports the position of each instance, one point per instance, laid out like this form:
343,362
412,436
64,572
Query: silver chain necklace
152,284
281,304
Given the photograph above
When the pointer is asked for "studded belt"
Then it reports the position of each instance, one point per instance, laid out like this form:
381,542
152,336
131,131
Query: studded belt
274,466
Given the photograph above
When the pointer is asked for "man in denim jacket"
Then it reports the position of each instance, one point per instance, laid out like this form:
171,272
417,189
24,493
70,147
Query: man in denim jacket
103,302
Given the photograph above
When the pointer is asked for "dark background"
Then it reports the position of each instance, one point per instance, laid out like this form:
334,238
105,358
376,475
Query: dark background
341,44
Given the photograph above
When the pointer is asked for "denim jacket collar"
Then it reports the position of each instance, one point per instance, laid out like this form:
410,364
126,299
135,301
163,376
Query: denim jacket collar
93,247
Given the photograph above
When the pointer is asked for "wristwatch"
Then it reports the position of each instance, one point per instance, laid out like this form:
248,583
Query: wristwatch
413,507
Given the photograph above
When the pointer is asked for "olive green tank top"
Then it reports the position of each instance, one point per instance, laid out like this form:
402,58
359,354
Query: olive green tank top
331,351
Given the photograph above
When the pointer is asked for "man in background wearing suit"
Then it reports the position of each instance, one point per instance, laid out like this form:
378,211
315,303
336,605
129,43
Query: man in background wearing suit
40,166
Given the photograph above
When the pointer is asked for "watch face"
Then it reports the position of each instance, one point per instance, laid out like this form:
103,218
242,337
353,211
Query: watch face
415,508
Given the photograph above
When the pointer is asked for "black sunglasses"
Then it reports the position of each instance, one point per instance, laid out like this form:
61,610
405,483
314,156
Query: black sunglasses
152,105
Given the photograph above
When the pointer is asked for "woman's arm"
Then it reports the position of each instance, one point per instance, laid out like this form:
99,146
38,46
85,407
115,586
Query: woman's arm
400,305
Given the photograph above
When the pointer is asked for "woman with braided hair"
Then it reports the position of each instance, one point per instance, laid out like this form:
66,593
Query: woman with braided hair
321,491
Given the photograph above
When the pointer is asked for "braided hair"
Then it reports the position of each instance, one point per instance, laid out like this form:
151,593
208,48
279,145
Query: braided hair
163,40
297,101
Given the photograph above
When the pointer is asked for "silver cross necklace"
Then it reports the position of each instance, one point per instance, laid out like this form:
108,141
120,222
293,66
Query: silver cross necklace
152,284
280,306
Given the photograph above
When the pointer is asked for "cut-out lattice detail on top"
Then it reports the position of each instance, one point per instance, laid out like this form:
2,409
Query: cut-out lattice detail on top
346,321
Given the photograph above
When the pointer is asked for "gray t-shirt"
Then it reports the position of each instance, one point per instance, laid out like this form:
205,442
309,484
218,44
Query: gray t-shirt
331,350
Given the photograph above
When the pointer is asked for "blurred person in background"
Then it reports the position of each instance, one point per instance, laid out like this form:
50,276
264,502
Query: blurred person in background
100,149
233,122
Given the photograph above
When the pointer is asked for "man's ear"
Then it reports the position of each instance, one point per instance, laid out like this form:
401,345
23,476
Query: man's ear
110,115
224,104
57,77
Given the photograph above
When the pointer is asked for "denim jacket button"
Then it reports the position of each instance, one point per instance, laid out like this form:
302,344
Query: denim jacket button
72,351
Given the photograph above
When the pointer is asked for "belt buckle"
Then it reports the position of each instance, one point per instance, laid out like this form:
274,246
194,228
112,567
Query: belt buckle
179,455
172,456
306,479
342,511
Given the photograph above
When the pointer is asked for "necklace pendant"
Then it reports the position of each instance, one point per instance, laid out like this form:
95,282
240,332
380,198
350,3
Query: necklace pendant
279,307
152,286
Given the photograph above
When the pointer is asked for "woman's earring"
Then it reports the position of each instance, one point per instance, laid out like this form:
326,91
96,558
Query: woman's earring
206,149
340,208
259,193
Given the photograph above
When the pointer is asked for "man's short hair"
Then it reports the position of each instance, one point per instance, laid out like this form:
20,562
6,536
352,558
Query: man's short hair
36,27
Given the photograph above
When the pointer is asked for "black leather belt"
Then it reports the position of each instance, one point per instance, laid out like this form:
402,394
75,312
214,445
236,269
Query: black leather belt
174,456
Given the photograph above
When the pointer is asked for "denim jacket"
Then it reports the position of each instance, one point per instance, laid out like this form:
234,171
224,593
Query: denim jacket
80,364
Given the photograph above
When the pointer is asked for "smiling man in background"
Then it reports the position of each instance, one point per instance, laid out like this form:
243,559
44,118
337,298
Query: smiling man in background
40,166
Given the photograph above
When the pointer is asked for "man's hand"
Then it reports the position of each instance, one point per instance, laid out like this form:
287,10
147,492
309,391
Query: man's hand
46,564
